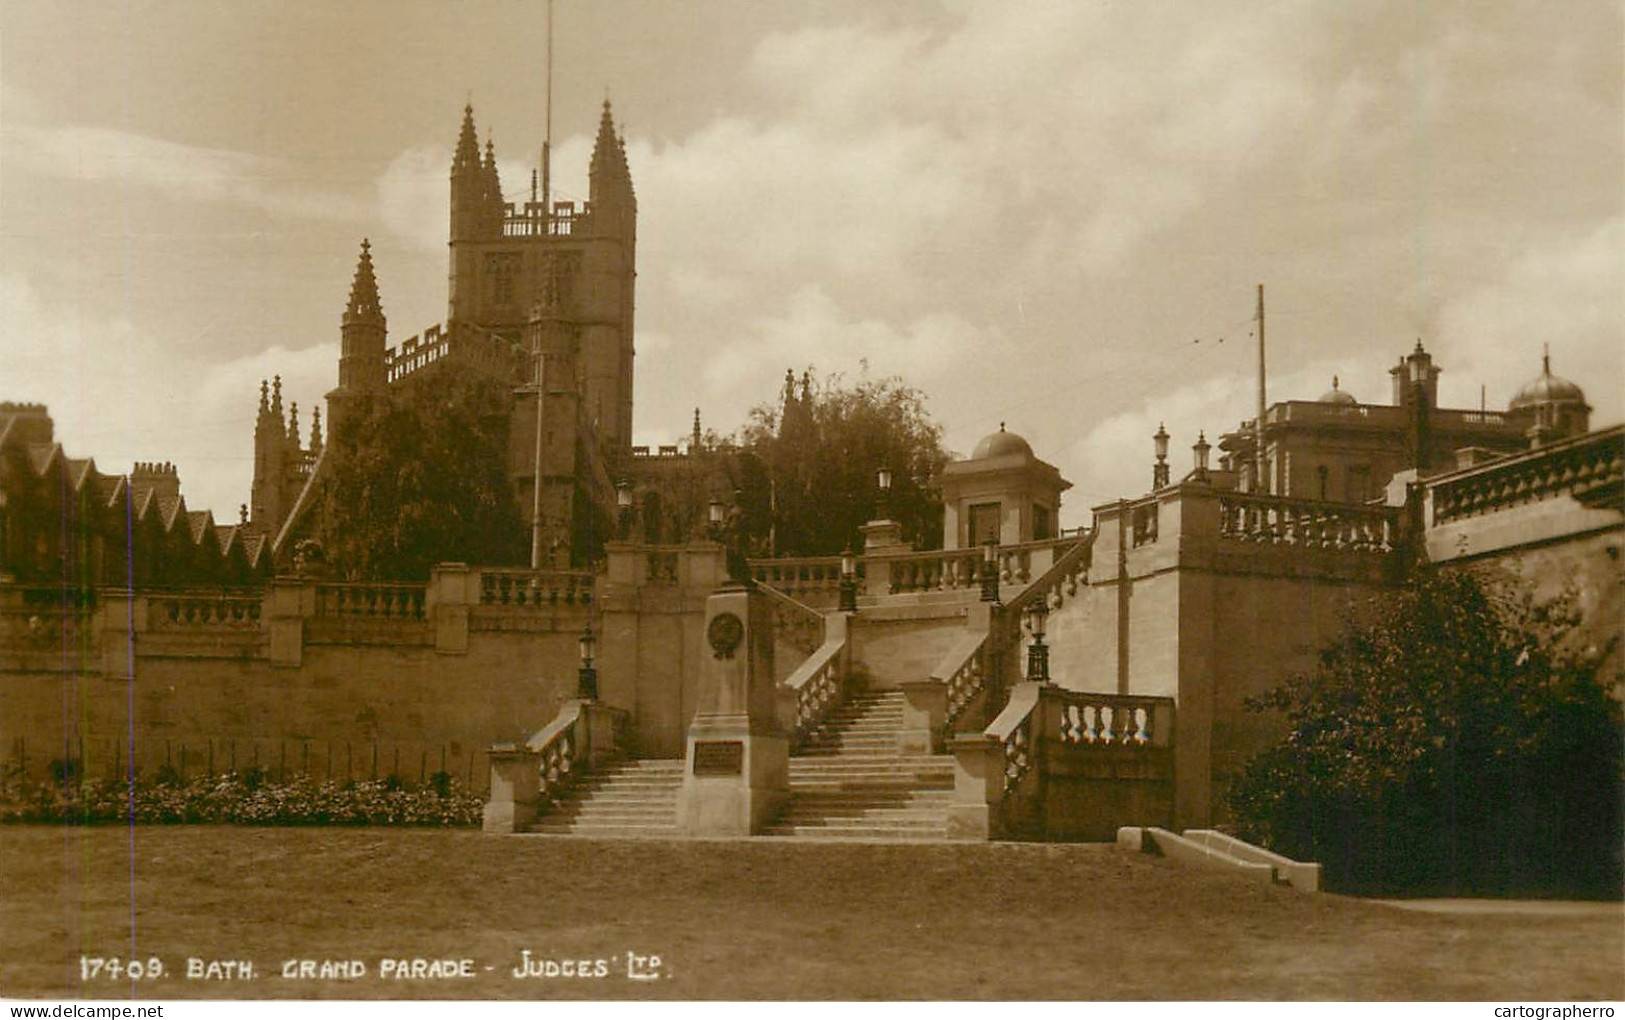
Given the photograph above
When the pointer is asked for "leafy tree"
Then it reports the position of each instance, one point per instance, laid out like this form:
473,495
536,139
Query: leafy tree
1454,741
420,479
821,449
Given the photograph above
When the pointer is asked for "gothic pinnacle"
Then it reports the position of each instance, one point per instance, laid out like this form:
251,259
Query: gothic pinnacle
468,143
364,303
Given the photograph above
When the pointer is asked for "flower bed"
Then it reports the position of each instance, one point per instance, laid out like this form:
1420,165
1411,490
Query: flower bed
237,798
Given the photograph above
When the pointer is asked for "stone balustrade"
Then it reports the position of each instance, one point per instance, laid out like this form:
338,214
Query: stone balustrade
375,601
534,589
1584,466
1057,763
526,779
1281,521
816,687
964,675
802,576
205,611
794,622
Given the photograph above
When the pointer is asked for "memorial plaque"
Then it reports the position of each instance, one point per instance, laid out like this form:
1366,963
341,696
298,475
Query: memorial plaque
719,757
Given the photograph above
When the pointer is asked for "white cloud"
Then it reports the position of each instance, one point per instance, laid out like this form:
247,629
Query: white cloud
1564,291
119,396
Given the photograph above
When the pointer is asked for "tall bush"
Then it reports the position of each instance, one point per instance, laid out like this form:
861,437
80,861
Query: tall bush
1453,742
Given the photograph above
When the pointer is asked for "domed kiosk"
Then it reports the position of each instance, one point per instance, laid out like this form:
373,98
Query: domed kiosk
1559,406
1002,492
1337,396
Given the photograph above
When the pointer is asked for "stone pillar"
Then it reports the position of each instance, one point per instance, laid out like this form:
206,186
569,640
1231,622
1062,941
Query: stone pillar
882,536
978,787
515,787
447,602
284,614
925,710
123,614
736,777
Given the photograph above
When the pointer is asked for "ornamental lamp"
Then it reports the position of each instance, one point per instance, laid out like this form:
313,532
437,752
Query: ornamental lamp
587,643
587,676
1161,441
883,479
990,570
714,512
849,581
623,494
1037,617
1201,449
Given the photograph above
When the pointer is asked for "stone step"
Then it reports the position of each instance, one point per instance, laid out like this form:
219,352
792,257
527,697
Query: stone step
838,765
857,832
600,831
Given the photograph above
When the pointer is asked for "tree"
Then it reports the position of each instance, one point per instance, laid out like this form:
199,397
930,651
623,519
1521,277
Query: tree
821,447
418,479
1455,741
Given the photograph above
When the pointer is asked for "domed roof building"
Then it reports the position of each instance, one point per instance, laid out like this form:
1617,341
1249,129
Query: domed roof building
1003,492
1001,444
1559,406
1337,396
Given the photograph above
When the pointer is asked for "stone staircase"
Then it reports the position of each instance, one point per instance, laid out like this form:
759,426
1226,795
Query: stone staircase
851,782
630,798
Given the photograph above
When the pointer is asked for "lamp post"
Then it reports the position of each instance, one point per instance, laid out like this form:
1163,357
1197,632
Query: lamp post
990,570
587,676
1159,473
1201,449
883,500
1038,651
849,580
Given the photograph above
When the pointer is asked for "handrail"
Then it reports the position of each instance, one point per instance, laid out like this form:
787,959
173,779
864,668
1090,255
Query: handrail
1282,520
391,601
817,687
963,673
1076,719
525,588
1579,465
559,746
794,621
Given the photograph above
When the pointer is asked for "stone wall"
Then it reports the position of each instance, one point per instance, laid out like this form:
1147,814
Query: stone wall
306,674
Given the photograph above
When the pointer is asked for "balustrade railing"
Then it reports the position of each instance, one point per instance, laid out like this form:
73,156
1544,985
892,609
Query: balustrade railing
376,601
799,575
965,681
1277,520
817,688
1018,752
560,756
1077,720
183,612
533,589
794,622
1103,720
949,570
1581,466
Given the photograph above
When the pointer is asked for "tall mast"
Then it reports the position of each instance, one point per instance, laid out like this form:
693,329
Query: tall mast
1261,474
547,132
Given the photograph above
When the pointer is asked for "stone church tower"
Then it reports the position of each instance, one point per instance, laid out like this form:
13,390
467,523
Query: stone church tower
531,285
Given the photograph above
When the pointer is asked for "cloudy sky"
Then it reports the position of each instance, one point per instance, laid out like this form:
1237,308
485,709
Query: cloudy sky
1053,214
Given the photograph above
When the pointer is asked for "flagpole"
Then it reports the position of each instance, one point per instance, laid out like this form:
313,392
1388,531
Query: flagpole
1259,471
